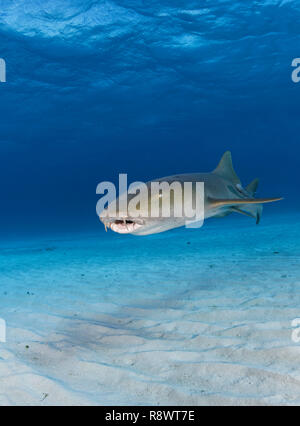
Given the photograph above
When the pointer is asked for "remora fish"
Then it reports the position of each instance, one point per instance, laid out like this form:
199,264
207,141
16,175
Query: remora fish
223,194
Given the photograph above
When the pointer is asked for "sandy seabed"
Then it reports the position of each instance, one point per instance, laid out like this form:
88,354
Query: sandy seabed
181,318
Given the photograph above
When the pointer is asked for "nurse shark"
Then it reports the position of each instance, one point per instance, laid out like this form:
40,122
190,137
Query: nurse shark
223,195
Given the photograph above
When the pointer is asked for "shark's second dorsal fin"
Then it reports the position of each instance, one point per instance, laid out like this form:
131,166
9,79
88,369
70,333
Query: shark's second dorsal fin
225,168
252,187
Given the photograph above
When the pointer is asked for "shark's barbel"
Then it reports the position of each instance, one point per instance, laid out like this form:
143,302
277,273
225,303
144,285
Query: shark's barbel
223,194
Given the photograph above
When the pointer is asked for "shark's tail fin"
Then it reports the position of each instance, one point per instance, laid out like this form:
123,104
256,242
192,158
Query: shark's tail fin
249,205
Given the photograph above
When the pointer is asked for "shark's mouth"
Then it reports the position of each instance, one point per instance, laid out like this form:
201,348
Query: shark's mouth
125,226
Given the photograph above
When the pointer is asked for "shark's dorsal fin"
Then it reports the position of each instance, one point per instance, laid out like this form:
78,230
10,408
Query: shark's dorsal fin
225,168
252,187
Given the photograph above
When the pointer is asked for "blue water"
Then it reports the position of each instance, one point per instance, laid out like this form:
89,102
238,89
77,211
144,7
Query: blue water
97,88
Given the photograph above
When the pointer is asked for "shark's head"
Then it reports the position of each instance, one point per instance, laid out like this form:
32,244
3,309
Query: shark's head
119,220
139,226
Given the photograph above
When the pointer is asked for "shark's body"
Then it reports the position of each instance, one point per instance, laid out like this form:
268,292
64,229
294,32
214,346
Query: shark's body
223,194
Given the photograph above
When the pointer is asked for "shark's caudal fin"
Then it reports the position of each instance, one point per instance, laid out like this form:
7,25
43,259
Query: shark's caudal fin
248,206
226,170
219,202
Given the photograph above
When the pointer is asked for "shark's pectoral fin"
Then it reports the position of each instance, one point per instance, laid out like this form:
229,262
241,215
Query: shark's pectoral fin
219,202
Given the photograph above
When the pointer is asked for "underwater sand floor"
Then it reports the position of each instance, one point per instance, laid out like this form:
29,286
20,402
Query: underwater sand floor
185,317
